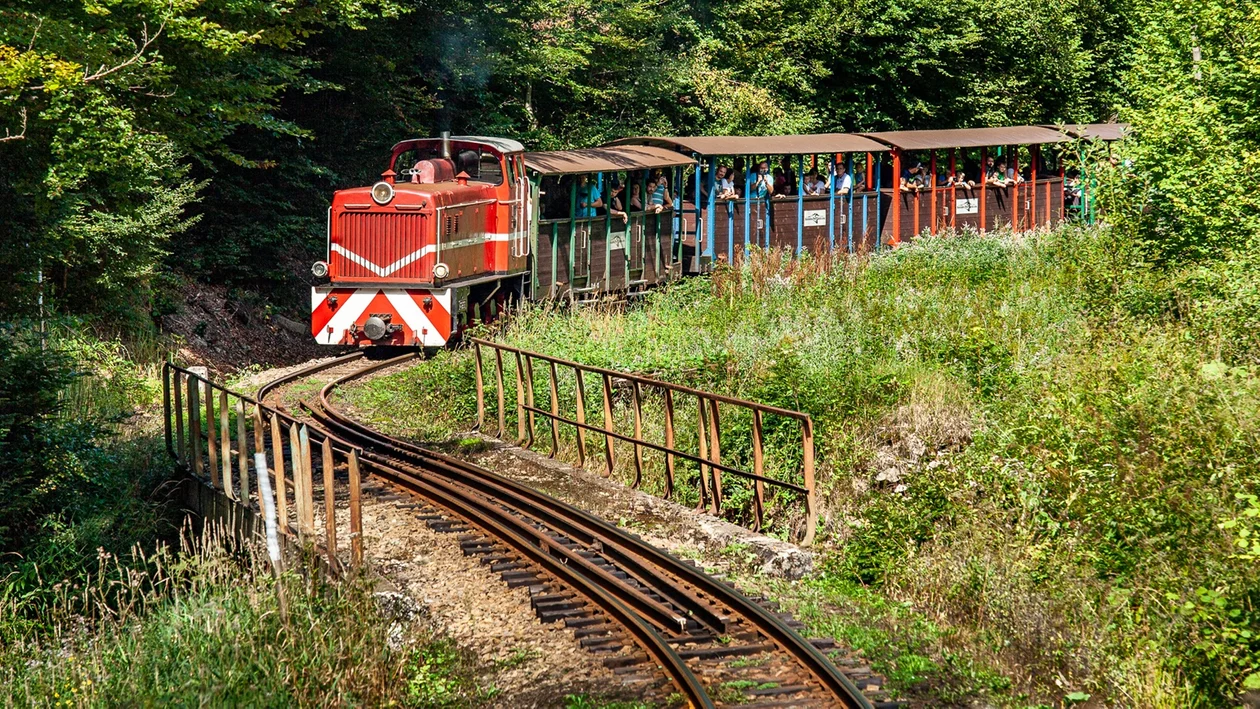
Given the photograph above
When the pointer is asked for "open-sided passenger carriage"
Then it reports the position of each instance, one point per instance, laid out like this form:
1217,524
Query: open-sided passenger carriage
583,254
875,211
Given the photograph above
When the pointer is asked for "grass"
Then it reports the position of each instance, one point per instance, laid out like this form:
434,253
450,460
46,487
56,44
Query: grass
203,626
1031,451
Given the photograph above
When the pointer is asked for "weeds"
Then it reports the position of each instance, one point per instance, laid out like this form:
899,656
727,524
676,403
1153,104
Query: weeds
1034,440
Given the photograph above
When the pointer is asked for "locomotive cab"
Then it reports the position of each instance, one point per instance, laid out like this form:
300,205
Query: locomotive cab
447,221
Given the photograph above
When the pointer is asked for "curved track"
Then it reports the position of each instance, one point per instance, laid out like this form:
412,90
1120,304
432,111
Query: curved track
710,643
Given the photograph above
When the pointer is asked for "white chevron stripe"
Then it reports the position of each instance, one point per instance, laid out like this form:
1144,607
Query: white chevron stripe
415,317
383,272
345,317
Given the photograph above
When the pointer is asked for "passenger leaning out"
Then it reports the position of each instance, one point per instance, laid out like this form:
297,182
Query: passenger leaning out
912,178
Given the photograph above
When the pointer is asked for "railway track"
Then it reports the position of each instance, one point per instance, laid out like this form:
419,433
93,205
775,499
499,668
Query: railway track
668,629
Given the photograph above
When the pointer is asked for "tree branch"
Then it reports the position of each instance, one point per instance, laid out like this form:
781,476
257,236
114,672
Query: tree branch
146,40
18,136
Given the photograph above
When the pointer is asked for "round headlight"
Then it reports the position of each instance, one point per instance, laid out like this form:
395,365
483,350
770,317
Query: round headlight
441,270
320,269
382,192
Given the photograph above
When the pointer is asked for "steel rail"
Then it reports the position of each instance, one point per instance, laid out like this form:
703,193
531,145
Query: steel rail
267,388
613,540
647,638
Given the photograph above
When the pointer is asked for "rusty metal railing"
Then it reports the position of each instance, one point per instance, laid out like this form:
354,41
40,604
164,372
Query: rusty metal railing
186,432
708,456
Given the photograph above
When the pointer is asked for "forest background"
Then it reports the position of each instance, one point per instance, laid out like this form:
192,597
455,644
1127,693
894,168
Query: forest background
146,145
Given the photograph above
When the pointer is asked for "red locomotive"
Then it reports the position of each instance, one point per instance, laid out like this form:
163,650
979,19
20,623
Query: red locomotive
446,230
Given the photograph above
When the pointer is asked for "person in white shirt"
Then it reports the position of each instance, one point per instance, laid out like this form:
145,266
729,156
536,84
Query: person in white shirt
813,185
844,181
725,186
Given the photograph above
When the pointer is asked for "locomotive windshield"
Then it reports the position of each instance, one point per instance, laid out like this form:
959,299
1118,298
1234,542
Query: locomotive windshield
481,166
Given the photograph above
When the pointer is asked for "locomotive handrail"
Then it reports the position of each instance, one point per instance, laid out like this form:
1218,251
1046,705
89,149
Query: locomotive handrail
708,428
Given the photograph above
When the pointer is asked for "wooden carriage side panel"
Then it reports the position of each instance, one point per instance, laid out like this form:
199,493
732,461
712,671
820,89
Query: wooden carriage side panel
597,252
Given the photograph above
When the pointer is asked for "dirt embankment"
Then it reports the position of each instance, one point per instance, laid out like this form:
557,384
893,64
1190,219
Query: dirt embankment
227,332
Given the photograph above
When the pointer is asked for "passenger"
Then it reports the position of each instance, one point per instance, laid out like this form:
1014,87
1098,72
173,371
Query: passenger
912,178
763,182
658,193
588,198
615,207
636,200
813,185
780,183
725,186
996,176
737,176
844,181
789,176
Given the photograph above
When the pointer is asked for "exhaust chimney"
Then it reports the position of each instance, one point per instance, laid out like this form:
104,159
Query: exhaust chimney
446,144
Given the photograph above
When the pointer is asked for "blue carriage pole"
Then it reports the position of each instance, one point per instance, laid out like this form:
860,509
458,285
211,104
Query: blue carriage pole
800,205
852,184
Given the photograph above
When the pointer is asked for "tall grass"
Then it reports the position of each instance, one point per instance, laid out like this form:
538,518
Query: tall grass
1036,439
202,625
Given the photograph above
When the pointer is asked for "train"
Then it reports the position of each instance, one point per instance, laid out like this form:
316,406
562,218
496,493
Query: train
460,227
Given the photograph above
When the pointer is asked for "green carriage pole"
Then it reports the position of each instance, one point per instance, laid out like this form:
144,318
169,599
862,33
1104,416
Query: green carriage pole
800,204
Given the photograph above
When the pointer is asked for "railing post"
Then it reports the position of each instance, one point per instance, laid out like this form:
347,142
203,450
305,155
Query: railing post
295,457
498,380
242,453
555,411
179,418
330,505
811,501
305,500
702,450
759,468
580,394
529,401
225,445
212,440
277,449
715,449
638,435
194,424
608,426
669,442
166,407
481,393
356,513
520,401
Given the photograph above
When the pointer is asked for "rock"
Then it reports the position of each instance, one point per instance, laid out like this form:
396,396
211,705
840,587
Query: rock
786,561
889,475
293,326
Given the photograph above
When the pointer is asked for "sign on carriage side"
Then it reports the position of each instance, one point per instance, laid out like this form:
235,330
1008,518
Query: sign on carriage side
815,217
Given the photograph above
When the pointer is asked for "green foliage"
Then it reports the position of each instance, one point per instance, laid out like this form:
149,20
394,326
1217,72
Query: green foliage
1010,438
1184,189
